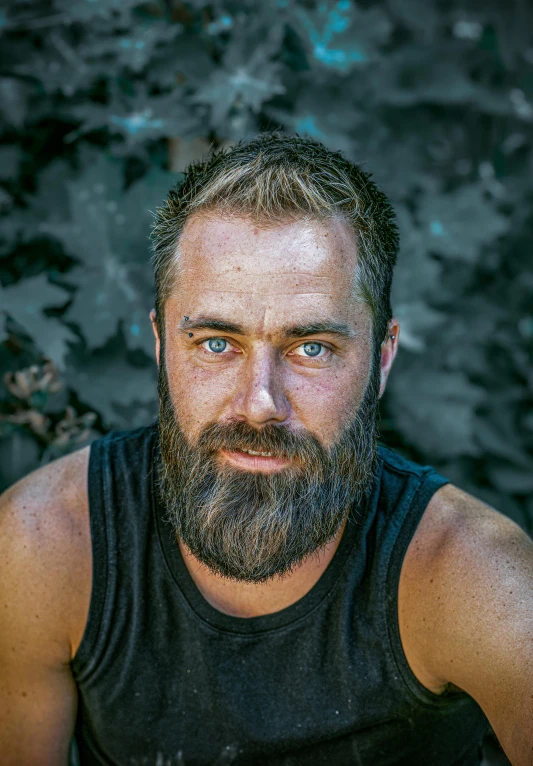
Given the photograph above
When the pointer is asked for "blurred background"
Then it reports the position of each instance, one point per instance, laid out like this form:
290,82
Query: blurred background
104,103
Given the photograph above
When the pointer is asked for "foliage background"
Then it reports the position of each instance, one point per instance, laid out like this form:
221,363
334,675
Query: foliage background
104,102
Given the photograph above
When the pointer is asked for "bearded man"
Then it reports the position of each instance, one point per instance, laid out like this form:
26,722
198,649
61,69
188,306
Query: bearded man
251,579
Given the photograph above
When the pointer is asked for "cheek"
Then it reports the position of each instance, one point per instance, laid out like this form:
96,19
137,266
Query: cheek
198,394
325,404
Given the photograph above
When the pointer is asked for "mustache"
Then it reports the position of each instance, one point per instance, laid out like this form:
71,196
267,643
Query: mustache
279,440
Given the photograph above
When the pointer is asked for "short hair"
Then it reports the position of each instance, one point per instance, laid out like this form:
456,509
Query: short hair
273,177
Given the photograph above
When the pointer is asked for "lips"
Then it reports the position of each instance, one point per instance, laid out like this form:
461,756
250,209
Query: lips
252,460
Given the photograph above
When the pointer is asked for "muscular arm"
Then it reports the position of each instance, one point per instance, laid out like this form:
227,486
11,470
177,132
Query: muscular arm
45,572
478,616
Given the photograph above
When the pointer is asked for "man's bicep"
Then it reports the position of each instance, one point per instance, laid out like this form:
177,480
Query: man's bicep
37,715
484,621
38,695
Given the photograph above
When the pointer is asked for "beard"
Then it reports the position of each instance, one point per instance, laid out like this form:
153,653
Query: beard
250,526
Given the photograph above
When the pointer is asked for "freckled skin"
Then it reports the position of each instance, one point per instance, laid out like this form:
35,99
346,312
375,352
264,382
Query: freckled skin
264,279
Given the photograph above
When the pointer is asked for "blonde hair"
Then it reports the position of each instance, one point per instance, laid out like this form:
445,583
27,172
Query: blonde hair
274,177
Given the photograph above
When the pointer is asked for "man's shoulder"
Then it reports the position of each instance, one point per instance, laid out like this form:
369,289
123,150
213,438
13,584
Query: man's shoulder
45,534
51,499
458,542
481,616
462,525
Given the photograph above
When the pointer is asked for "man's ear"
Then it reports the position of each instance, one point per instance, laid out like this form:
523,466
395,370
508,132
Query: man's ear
389,347
156,334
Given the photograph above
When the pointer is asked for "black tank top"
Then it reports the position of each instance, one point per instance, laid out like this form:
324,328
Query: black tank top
165,679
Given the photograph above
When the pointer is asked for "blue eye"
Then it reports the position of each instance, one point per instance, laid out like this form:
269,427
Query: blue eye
312,349
217,344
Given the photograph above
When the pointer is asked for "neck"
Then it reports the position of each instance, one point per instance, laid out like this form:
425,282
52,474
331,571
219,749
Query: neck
254,600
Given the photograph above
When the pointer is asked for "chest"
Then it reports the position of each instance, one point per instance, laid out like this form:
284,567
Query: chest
169,689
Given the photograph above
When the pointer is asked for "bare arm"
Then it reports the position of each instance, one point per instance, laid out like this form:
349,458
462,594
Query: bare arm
45,573
482,618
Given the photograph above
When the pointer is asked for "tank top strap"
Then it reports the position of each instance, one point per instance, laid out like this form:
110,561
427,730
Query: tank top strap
419,484
118,465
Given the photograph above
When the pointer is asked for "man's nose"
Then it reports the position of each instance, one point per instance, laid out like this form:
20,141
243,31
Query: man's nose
260,395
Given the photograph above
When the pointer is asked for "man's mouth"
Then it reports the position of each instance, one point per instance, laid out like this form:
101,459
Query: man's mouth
261,454
254,459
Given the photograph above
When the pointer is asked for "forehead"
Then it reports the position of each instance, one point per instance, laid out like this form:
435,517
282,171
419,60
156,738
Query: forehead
232,265
244,252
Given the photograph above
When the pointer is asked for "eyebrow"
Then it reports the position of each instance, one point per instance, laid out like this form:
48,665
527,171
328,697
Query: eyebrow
339,329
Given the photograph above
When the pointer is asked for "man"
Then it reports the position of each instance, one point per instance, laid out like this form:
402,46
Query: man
251,580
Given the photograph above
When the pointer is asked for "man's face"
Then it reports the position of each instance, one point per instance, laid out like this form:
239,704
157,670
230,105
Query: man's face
265,349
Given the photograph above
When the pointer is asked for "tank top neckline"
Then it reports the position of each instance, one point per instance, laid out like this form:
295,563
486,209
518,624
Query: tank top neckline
276,620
